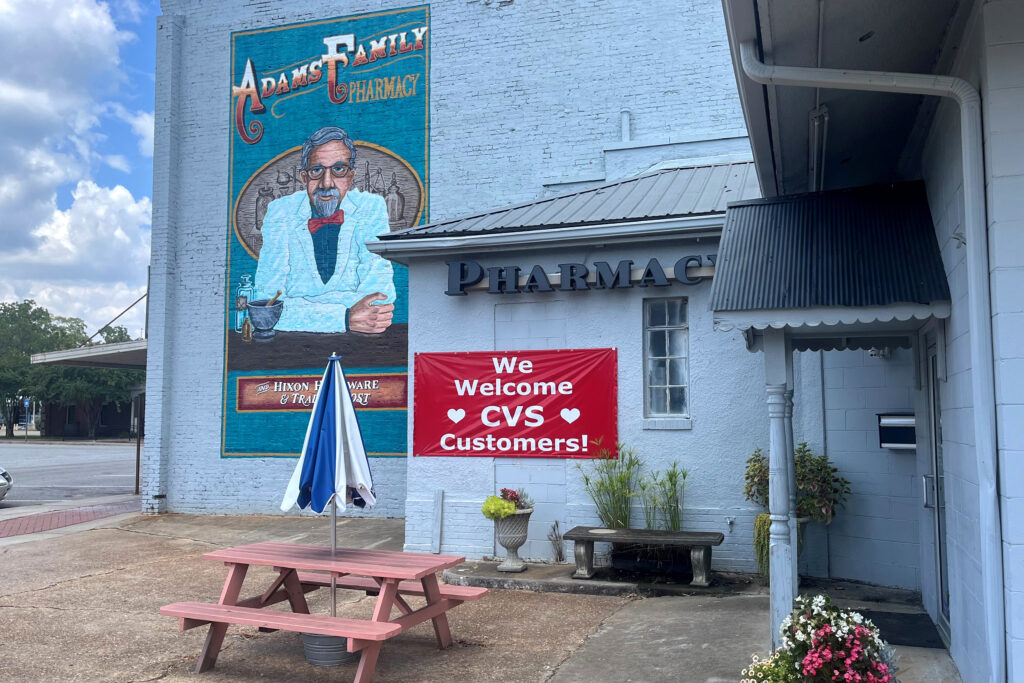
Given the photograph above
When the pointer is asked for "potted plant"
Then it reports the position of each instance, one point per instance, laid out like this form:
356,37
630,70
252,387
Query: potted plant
819,491
822,643
511,514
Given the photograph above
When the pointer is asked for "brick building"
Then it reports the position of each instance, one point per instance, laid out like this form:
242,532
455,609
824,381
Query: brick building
503,135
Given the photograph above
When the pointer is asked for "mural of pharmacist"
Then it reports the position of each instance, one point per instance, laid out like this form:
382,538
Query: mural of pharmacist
314,248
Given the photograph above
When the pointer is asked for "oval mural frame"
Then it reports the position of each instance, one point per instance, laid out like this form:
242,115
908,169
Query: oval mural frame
298,148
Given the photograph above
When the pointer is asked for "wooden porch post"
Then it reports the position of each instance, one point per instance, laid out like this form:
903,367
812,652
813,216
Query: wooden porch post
780,556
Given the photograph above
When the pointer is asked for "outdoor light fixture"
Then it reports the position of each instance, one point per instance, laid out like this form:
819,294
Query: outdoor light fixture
885,353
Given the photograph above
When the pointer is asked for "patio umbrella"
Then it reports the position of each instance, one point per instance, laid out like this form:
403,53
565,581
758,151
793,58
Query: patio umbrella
333,462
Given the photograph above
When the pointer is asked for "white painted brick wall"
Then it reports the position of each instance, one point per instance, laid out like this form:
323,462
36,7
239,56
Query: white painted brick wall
1004,133
521,94
874,537
991,58
728,408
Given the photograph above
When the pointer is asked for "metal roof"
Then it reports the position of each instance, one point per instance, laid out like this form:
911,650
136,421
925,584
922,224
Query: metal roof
129,355
862,247
669,193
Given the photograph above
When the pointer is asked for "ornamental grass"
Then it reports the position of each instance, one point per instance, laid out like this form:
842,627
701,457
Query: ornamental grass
611,483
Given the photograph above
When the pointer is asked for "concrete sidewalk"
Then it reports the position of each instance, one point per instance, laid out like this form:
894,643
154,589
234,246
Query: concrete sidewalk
83,606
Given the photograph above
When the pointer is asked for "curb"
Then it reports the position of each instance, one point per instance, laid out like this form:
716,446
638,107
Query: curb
460,576
557,578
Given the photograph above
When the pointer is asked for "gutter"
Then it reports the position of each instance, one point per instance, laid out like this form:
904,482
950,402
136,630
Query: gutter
401,250
979,305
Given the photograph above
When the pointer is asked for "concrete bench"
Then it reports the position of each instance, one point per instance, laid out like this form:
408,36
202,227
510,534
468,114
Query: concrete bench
193,614
699,543
312,580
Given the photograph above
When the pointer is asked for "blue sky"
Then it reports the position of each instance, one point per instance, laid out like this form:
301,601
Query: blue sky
76,159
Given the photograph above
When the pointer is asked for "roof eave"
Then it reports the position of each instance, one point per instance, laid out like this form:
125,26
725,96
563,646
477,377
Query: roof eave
130,355
400,251
741,26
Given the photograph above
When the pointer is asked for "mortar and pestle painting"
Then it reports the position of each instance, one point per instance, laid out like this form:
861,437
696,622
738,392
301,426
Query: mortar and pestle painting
264,314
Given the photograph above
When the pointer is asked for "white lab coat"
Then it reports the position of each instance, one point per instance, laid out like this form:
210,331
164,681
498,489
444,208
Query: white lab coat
287,262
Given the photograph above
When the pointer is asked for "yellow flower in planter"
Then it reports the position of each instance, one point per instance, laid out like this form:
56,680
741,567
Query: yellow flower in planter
495,508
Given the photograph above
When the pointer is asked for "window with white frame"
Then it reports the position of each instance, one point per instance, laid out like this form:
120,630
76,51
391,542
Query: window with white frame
666,352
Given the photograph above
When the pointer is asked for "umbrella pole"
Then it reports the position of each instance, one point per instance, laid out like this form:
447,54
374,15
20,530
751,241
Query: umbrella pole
334,550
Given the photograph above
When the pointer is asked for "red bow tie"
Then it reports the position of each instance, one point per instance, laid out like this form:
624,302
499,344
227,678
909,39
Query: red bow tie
336,218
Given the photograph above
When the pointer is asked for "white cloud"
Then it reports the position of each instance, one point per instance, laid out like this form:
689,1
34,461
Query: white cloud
61,61
128,10
57,56
96,304
141,123
90,260
118,161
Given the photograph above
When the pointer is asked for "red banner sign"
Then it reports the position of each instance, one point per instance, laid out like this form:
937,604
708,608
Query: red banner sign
296,393
518,404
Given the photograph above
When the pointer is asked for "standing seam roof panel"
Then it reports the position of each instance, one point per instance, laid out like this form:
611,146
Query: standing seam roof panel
668,193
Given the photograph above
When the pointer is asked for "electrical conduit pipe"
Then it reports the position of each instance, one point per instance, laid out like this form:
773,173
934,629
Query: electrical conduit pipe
978,302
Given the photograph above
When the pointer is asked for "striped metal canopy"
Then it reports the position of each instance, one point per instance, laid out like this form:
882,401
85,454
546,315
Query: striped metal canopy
846,258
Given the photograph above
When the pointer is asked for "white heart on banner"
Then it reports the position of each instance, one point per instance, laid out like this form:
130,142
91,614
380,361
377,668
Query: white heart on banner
570,415
456,415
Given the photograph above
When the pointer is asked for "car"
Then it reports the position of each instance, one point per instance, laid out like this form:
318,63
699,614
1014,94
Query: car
6,482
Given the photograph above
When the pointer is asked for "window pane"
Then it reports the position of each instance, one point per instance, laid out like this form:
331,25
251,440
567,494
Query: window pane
676,312
677,371
657,401
677,400
656,313
656,372
677,343
656,344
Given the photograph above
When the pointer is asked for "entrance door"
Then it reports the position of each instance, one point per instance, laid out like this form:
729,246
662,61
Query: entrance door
935,490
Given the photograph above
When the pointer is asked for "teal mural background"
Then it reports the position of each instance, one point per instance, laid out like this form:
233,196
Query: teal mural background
399,125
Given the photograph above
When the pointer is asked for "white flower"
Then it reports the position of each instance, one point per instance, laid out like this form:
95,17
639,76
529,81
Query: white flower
800,636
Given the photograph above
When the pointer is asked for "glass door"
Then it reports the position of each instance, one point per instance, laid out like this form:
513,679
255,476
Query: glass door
935,490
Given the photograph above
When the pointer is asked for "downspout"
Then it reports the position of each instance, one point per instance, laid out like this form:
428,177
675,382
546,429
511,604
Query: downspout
979,305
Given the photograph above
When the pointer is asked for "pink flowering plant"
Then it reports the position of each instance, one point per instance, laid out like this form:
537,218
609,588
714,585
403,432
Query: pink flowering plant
823,643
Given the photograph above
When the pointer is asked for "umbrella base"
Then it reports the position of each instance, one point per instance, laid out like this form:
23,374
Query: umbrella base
327,650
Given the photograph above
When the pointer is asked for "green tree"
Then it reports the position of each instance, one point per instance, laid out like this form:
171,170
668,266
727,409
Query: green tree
25,329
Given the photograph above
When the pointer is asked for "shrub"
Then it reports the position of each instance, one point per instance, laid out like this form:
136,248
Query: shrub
819,488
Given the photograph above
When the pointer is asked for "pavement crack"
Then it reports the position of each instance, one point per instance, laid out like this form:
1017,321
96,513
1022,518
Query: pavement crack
176,538
164,674
57,609
82,577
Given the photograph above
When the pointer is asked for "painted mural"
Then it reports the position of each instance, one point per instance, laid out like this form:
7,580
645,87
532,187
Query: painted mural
329,149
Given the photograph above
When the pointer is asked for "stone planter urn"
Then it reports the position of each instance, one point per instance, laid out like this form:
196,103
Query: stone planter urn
511,534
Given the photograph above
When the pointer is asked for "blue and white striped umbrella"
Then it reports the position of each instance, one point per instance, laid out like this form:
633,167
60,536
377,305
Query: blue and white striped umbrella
333,463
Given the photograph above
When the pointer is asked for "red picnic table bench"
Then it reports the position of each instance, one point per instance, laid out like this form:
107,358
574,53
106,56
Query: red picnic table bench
305,568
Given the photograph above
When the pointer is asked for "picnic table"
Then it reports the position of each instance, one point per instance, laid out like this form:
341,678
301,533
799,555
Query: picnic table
304,568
